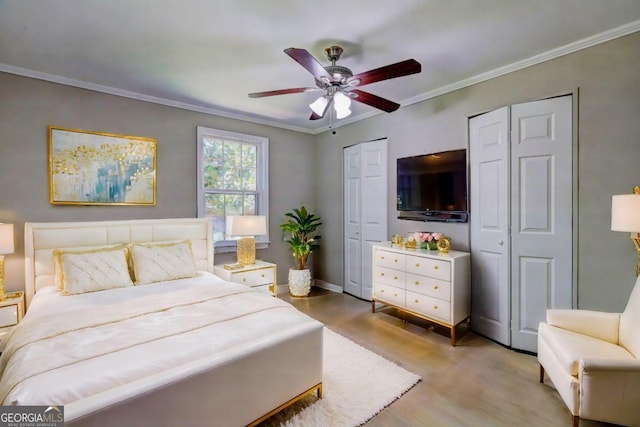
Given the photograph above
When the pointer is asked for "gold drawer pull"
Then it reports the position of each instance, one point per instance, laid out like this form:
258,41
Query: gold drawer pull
395,294
381,274
417,282
417,264
244,279
416,301
435,307
382,291
436,287
395,277
395,260
435,267
381,257
262,275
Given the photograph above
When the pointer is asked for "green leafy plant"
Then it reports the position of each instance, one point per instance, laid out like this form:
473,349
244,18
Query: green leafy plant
301,227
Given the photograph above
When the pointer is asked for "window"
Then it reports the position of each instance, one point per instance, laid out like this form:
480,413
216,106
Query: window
232,180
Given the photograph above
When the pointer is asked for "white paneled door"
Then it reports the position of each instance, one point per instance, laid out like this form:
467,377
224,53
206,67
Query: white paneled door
521,218
365,212
490,244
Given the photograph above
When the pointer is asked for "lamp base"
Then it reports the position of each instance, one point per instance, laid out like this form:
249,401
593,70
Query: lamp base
246,250
3,294
636,242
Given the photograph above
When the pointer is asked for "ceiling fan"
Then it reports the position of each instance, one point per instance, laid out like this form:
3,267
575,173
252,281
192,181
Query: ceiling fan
340,84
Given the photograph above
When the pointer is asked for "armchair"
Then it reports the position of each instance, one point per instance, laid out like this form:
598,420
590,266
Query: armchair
593,360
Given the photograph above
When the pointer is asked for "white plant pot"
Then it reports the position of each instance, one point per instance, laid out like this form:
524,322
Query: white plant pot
299,282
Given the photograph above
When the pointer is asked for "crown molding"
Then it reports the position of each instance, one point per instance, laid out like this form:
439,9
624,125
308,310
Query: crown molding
603,37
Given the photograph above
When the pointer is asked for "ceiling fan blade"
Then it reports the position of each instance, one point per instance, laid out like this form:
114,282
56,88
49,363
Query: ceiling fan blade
314,116
399,69
283,92
375,101
305,59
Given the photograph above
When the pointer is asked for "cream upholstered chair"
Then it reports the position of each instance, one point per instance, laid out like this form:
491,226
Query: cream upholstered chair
593,360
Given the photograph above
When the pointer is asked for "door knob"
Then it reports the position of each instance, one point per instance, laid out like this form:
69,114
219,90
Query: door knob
500,242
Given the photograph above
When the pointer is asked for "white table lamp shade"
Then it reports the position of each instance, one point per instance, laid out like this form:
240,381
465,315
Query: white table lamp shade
6,239
246,225
625,213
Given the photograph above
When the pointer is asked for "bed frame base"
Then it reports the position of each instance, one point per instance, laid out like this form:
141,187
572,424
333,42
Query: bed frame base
316,388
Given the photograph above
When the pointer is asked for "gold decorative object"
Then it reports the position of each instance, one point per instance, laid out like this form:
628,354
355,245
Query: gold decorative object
6,247
93,168
397,240
246,250
625,216
444,244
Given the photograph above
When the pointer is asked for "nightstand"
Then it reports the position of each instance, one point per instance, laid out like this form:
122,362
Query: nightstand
261,276
11,311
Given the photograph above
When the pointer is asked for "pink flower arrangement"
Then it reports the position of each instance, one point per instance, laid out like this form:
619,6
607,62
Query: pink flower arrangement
428,240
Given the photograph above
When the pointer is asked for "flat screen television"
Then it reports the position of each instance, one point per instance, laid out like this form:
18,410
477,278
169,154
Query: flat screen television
433,187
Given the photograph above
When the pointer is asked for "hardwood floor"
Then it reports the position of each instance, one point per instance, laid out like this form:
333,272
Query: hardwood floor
476,383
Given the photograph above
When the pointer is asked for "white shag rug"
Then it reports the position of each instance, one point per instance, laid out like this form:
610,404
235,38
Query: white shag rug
357,384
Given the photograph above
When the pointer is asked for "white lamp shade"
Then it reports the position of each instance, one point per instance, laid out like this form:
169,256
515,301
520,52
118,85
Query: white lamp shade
341,103
625,213
246,225
6,239
319,105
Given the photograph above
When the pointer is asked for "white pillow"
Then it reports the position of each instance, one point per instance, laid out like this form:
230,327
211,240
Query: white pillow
93,270
157,262
57,268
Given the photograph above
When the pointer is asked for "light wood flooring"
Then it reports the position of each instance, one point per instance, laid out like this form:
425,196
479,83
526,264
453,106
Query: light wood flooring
477,383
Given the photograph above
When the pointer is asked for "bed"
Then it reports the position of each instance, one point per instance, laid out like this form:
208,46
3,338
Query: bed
186,350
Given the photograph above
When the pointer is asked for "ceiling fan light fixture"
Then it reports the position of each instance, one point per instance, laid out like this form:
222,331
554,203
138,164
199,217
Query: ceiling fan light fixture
319,105
341,104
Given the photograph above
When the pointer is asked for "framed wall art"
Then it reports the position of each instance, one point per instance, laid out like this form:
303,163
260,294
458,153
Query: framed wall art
94,168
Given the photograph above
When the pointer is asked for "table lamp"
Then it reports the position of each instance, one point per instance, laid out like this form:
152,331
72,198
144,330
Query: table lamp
246,227
625,216
6,247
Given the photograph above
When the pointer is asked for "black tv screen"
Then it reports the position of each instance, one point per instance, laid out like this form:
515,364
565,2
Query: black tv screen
433,185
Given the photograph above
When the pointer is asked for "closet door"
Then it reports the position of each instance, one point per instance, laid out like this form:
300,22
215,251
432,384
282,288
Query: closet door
365,209
490,245
541,215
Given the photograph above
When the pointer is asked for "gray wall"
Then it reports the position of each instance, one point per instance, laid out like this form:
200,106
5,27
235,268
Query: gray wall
29,106
607,76
608,79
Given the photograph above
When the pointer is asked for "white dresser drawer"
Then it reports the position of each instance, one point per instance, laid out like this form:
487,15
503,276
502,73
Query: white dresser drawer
9,315
435,268
390,260
254,277
429,286
429,306
390,276
389,293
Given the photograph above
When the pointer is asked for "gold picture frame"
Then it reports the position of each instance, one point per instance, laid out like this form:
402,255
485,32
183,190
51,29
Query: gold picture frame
95,168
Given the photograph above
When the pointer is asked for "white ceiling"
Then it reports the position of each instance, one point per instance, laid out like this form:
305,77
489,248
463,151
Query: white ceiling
207,55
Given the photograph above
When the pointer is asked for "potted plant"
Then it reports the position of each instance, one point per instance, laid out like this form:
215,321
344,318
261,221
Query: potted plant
301,228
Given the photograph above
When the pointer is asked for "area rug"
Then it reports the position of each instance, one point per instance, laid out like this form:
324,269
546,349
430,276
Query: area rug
357,384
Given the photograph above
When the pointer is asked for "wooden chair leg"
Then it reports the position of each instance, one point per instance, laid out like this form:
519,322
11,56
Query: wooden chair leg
576,420
541,373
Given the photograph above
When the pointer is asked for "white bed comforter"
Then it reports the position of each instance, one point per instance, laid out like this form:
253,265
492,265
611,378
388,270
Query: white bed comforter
71,347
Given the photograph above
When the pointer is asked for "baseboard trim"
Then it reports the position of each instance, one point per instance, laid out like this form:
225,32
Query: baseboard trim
317,283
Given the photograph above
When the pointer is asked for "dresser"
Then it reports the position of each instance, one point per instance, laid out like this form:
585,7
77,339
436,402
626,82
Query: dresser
428,284
261,275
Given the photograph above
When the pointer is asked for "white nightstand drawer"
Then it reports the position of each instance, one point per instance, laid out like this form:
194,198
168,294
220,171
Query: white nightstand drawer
390,260
254,277
389,293
432,307
429,267
9,315
390,276
429,286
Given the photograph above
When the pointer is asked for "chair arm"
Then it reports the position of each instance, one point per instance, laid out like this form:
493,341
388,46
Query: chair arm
610,390
596,324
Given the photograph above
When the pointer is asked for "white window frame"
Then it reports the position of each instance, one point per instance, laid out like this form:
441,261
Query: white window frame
262,180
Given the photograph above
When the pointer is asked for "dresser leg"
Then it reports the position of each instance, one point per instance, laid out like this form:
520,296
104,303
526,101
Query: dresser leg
373,306
453,336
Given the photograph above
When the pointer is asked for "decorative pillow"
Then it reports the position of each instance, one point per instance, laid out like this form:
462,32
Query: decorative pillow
93,270
156,262
57,267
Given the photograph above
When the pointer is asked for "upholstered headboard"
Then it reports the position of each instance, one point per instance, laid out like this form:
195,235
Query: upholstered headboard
40,238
